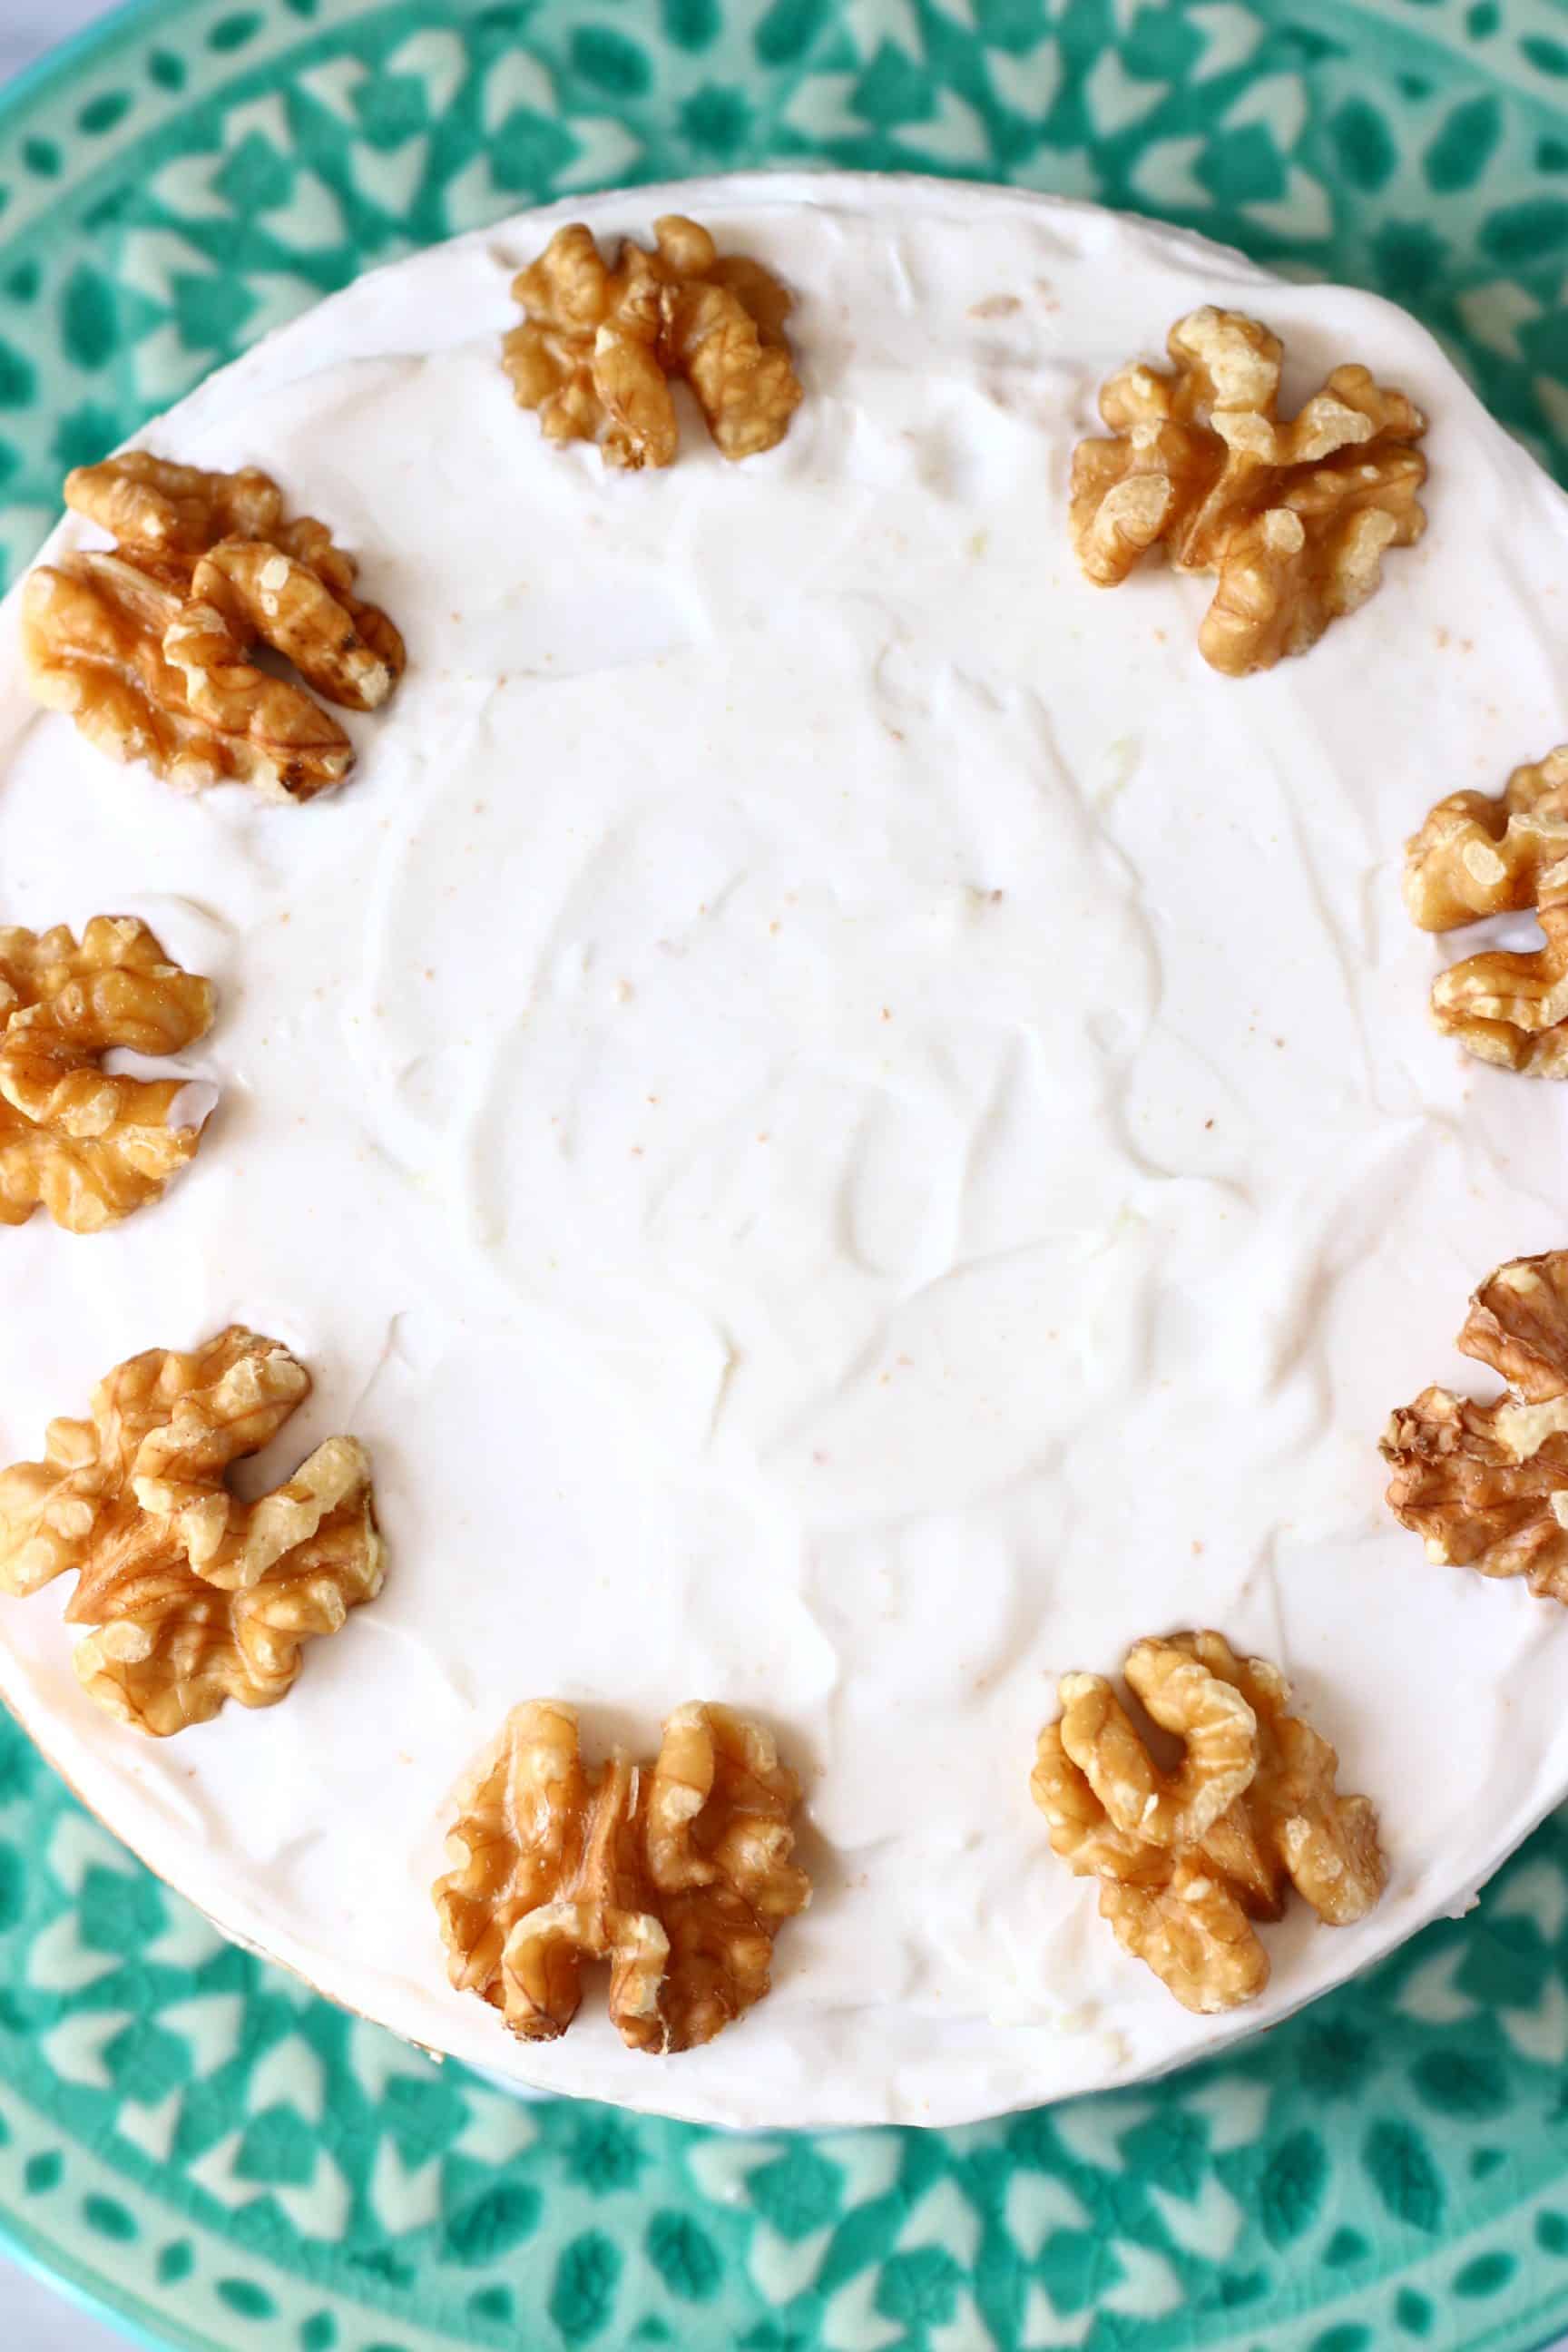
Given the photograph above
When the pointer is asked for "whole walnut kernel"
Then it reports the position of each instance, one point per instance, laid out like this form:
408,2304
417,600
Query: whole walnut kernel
149,648
1483,1485
1188,1860
600,346
195,1597
88,1145
1293,516
1480,854
679,1875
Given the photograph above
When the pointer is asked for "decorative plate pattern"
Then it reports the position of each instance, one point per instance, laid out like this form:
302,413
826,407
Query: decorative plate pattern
216,2155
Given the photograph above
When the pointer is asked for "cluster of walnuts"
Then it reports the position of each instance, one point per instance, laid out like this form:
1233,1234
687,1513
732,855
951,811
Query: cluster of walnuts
212,638
1291,518
151,645
208,639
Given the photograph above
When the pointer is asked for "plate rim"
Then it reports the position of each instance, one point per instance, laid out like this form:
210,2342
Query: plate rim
124,21
87,2291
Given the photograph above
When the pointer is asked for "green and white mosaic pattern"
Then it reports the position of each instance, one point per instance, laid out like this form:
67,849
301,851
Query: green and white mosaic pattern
235,2163
224,2159
206,168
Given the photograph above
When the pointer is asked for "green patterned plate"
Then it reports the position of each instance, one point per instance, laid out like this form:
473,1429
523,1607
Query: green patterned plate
208,2150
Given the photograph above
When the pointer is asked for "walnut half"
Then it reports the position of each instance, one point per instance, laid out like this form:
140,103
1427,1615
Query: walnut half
679,1875
194,1596
1293,516
1478,854
89,1146
1485,1485
149,648
600,346
1187,1860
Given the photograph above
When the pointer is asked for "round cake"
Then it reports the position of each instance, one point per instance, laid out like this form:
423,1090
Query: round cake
851,1127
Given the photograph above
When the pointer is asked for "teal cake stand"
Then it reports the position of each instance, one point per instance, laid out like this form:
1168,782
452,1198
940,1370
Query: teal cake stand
202,2148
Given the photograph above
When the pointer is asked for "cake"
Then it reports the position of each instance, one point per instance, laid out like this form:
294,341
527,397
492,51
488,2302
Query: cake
849,1126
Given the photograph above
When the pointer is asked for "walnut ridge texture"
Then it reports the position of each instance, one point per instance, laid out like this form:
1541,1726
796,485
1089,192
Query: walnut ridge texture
1187,1860
149,646
88,1145
1293,516
194,1597
1485,1485
680,1874
599,347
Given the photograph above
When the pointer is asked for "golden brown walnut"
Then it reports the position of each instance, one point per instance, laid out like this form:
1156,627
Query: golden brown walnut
1485,1485
1292,1826
680,1874
88,1145
1481,854
159,511
194,1596
1188,1859
1293,516
1211,1719
150,647
599,347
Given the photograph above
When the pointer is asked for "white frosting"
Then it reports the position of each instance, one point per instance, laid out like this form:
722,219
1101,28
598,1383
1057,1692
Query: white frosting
851,1126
